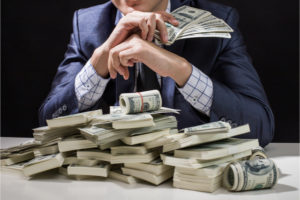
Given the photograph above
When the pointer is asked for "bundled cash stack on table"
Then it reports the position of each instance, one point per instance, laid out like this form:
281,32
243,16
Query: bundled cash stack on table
127,137
138,142
124,145
201,156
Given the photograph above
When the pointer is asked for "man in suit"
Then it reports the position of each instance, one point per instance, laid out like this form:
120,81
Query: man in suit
111,52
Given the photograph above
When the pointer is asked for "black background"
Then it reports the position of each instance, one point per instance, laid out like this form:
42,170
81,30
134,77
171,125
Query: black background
35,34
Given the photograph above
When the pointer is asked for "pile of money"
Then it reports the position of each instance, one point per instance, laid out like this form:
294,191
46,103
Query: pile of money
195,23
207,179
45,151
193,136
130,146
91,144
154,172
201,157
139,141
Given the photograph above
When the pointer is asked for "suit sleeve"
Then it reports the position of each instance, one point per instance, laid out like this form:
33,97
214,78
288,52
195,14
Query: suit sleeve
238,94
62,98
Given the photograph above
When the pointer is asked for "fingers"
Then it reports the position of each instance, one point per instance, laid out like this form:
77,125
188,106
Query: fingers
126,73
152,26
144,28
114,65
163,17
147,22
168,18
162,29
127,57
112,72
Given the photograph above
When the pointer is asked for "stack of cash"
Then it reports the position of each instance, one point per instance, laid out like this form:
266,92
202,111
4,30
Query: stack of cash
138,142
193,136
207,179
201,156
154,172
208,157
42,153
127,136
195,23
90,144
45,151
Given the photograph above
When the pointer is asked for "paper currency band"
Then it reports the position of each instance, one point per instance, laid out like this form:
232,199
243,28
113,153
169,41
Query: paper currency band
142,105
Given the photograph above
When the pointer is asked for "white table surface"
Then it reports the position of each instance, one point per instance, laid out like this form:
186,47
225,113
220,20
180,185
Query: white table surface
54,186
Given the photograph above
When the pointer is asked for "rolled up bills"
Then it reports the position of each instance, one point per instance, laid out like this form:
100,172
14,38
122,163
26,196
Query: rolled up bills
258,153
140,101
250,175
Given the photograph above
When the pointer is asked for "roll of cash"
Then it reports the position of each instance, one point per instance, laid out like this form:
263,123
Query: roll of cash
140,101
250,175
258,153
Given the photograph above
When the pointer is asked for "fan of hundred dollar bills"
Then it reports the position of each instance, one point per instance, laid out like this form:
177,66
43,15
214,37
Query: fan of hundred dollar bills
195,23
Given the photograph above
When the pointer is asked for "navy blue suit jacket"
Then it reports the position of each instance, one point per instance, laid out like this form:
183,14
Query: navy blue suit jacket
238,95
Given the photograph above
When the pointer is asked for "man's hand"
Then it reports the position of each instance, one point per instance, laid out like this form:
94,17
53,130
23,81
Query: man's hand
163,62
142,23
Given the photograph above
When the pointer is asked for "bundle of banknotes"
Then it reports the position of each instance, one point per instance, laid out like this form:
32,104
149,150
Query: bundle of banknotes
208,157
139,140
195,23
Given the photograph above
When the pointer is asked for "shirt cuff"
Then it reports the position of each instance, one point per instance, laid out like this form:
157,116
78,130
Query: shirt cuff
198,91
89,86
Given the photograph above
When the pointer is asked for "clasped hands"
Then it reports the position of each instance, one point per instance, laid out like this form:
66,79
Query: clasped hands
131,42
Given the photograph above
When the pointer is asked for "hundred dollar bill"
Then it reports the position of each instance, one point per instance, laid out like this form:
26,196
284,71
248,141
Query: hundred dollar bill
140,102
210,27
212,127
250,175
200,35
185,15
195,23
